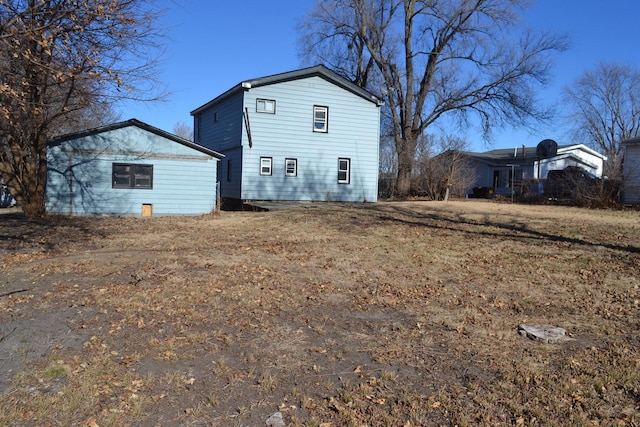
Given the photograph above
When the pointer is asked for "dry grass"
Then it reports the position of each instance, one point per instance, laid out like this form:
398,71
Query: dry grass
335,315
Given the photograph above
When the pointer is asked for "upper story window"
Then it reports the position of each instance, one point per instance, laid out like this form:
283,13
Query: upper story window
320,119
126,175
266,165
266,106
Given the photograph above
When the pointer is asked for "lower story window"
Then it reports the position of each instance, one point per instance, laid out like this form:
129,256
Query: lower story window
344,171
127,175
266,165
291,167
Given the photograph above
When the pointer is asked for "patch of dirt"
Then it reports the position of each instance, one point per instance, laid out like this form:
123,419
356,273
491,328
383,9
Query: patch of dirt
336,314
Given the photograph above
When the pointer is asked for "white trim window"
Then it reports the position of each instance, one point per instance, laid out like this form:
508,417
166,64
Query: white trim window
291,167
266,106
320,119
266,166
344,170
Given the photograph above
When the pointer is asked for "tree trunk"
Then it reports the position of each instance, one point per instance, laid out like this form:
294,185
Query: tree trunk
31,197
406,156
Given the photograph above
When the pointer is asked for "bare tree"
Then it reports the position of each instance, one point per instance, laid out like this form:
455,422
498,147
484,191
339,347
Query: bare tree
332,34
605,106
441,58
59,59
183,130
448,173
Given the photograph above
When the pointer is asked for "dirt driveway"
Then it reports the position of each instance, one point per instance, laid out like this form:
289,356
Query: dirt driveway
326,315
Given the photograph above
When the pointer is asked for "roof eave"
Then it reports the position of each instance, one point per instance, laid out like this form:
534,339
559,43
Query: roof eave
141,125
315,71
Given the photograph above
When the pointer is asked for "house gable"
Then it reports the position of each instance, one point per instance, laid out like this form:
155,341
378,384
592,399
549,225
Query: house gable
350,131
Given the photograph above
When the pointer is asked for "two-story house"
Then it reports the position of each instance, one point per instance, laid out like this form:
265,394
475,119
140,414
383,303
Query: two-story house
308,135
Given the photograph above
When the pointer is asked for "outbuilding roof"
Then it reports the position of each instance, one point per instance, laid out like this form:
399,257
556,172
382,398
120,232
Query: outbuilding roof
137,123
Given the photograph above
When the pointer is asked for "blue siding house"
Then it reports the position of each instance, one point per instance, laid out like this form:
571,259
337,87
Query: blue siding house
129,168
306,135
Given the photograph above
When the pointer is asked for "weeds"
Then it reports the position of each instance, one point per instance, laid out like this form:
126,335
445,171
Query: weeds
387,314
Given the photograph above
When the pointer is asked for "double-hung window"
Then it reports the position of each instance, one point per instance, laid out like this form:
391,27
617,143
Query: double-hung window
344,171
320,119
127,175
266,164
266,106
291,167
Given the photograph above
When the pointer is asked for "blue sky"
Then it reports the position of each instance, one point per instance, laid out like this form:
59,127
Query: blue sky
213,45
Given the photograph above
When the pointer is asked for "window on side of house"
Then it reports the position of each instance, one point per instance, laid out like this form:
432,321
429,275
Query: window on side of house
320,119
344,171
216,117
291,167
228,170
266,165
266,106
127,175
501,178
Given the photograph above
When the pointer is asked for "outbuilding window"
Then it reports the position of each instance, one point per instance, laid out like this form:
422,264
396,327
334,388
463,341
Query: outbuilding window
127,175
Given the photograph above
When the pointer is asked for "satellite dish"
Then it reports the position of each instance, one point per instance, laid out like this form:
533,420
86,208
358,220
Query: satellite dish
547,148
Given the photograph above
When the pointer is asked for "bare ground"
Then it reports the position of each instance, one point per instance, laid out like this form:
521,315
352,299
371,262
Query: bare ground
393,314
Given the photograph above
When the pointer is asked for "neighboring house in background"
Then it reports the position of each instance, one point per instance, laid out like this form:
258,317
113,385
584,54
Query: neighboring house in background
129,168
6,199
631,172
306,135
501,169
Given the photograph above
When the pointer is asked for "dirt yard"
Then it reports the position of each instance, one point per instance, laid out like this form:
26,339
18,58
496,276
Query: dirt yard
388,314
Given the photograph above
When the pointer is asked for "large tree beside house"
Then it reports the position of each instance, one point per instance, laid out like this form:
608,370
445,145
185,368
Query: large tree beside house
58,61
462,60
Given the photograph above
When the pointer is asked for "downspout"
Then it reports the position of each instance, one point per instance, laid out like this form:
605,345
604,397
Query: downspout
248,126
70,170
